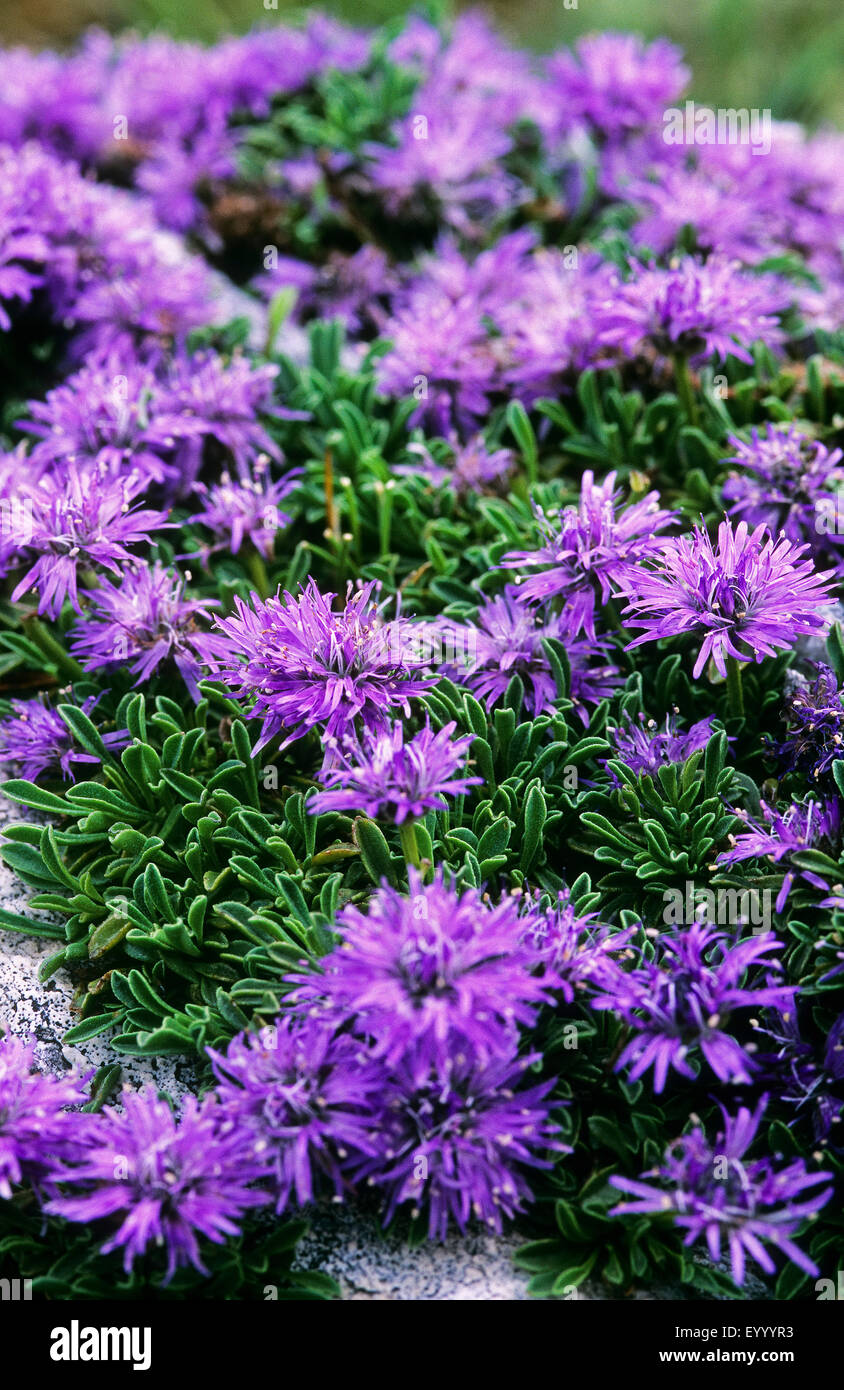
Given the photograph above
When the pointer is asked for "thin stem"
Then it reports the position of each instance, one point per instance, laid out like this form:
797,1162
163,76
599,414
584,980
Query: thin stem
683,382
254,561
52,650
735,694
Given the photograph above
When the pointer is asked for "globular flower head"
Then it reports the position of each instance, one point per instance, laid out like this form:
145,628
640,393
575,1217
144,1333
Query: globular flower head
205,397
80,517
244,508
457,1138
713,1191
507,642
781,834
699,309
310,666
570,947
474,468
645,746
746,597
36,1127
683,1000
390,776
169,1179
433,976
306,1096
617,83
38,740
814,714
587,553
145,621
783,479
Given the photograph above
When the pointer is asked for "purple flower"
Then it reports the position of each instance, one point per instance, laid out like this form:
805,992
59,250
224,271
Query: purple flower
205,397
429,978
311,667
99,417
747,597
645,746
698,309
616,83
473,468
306,1099
441,350
799,1076
168,1179
815,717
244,508
683,1001
572,948
383,775
456,170
456,1138
80,517
37,739
147,620
801,826
355,289
590,549
785,479
507,642
712,1191
35,1126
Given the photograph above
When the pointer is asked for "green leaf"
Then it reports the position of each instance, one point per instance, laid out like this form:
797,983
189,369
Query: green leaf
374,851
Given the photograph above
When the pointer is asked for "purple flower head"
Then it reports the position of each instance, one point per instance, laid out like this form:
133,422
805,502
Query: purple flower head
712,1191
35,1126
683,1001
145,621
37,739
205,397
168,1179
355,289
815,717
456,1138
100,417
386,775
429,978
80,517
800,1076
617,83
801,826
571,948
244,508
698,309
590,549
507,642
309,666
440,334
746,597
456,171
726,218
306,1097
645,747
783,480
558,321
474,468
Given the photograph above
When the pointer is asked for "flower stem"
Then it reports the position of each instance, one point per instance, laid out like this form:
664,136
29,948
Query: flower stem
735,695
683,383
410,844
52,650
254,561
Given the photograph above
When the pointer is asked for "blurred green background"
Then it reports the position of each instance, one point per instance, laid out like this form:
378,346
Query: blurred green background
786,54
